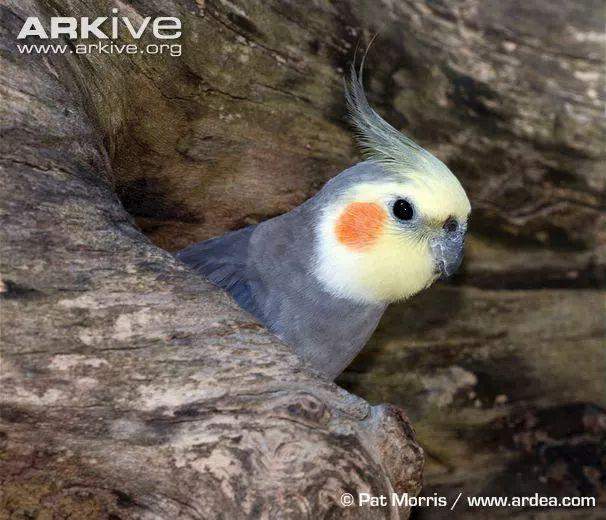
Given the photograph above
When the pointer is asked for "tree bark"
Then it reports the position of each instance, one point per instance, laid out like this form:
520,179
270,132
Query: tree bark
118,350
130,387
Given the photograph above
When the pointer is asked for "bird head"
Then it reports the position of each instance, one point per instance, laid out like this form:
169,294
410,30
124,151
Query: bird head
393,224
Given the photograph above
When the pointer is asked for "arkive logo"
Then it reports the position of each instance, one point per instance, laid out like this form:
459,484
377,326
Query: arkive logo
102,27
101,35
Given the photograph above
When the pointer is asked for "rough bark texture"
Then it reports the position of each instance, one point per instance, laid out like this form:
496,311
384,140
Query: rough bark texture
130,387
502,371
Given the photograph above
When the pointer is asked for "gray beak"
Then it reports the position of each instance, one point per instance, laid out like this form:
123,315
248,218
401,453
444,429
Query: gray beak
447,252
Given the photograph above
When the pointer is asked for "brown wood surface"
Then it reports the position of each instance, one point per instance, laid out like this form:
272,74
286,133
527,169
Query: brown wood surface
132,388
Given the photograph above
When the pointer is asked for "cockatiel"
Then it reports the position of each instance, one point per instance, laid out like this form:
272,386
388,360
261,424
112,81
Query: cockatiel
320,276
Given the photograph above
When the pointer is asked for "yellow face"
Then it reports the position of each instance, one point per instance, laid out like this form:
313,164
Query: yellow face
375,241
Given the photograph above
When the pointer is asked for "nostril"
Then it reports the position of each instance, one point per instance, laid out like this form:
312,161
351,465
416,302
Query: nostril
450,225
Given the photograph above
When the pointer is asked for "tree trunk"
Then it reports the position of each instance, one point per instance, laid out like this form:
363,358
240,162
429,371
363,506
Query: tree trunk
132,388
109,343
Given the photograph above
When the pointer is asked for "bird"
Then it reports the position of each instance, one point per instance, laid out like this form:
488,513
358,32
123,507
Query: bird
320,276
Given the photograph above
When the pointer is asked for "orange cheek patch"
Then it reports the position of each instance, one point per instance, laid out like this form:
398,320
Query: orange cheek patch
360,225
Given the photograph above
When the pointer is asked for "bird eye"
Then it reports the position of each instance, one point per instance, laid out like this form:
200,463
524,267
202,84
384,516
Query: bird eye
402,209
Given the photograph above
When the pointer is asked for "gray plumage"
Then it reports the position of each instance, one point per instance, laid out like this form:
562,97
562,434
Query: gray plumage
267,269
380,141
271,269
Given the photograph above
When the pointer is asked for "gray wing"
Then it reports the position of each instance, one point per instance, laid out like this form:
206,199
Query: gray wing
223,261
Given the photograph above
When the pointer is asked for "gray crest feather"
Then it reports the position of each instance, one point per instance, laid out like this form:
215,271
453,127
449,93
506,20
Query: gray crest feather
379,140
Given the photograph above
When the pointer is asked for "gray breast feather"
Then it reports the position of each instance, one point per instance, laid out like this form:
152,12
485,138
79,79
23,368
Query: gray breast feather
269,271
